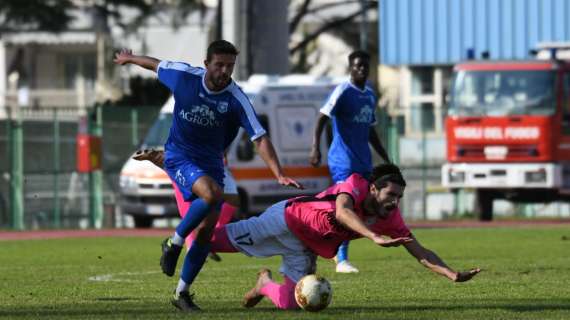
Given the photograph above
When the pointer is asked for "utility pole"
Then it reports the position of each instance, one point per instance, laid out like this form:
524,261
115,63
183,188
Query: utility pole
96,176
56,171
363,26
219,20
16,159
260,31
96,117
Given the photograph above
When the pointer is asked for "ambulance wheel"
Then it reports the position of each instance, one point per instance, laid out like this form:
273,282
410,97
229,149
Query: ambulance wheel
142,222
484,204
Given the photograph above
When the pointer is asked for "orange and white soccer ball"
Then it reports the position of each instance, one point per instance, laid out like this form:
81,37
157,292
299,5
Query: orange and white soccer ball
313,293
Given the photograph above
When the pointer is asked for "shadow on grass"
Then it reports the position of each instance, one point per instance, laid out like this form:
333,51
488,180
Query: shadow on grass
79,311
496,306
102,308
515,305
117,299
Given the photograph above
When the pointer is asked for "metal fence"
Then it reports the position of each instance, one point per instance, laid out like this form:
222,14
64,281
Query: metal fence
55,195
53,192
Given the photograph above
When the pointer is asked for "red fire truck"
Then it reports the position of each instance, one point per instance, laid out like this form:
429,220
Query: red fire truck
508,132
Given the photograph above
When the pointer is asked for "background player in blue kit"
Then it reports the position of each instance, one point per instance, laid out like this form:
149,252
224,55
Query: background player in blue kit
208,111
351,107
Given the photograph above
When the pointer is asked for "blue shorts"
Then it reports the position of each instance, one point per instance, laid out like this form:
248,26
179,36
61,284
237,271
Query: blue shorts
184,172
339,174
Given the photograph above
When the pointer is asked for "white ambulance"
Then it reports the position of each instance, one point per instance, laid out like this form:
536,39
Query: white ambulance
287,107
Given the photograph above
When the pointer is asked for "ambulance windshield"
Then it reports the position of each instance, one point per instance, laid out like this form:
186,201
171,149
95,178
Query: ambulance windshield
502,93
158,133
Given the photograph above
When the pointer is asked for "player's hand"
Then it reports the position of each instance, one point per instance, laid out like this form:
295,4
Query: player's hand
315,157
463,276
123,57
152,155
388,242
288,182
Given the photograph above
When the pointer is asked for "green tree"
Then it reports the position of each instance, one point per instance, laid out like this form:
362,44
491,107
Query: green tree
56,15
27,15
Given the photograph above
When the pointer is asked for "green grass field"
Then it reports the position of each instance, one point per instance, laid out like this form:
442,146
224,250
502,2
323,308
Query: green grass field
526,276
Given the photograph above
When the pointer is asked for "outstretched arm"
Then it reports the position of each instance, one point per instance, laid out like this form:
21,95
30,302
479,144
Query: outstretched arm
377,145
347,217
267,152
126,56
432,261
315,155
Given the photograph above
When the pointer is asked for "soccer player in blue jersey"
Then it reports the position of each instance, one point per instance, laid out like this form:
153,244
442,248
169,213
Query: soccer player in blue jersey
351,108
208,111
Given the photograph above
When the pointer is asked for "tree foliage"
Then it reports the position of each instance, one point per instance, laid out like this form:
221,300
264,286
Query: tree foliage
342,25
57,15
50,15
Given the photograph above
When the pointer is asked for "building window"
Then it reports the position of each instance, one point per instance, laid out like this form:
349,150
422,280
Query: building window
78,64
422,80
423,117
424,98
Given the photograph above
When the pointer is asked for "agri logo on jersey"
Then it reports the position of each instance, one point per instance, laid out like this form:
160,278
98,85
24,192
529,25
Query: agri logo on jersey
222,107
365,116
200,115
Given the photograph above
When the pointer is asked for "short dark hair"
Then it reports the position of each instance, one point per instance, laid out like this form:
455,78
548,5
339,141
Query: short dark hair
385,173
221,47
358,54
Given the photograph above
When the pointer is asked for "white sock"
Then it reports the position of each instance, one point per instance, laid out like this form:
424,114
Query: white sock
182,286
177,239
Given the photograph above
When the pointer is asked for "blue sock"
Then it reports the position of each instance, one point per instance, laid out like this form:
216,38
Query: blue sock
198,210
342,253
194,261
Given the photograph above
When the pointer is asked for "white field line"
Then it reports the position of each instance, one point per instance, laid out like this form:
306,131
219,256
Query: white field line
120,277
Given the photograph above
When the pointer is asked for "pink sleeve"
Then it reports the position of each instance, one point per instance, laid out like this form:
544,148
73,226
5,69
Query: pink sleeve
393,226
356,186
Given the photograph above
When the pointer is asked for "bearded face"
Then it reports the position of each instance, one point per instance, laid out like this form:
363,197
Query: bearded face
386,199
219,70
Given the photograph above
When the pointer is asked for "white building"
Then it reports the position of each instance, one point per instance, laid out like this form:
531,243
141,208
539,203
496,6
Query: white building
62,70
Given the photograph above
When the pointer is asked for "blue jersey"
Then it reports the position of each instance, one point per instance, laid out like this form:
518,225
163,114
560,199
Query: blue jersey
352,112
204,122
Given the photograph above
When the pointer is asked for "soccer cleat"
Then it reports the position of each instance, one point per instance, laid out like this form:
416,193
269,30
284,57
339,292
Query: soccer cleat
254,296
169,258
346,267
184,301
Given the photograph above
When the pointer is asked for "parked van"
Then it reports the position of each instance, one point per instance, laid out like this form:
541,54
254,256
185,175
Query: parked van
287,108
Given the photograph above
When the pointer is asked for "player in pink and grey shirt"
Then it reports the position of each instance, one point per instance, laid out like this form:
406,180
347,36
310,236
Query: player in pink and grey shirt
302,228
